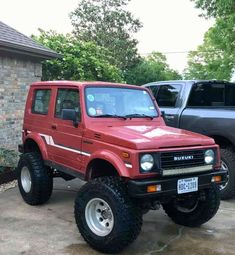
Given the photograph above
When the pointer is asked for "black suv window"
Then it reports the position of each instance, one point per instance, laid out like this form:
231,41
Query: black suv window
216,94
167,95
41,101
66,99
154,90
230,95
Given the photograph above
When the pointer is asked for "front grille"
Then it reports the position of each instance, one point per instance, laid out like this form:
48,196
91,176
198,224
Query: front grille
182,159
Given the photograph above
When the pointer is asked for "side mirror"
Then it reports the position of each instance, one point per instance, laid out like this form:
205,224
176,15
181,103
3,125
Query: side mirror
70,114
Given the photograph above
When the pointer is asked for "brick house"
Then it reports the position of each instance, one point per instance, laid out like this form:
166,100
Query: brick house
20,65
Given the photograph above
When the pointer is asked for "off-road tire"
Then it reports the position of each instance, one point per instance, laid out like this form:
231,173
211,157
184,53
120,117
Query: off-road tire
202,213
41,179
127,215
228,157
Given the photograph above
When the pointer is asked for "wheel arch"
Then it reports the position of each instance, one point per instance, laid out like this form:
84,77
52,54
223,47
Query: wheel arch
105,164
223,141
35,144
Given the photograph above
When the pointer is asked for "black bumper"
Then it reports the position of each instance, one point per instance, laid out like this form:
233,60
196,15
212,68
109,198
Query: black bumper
138,188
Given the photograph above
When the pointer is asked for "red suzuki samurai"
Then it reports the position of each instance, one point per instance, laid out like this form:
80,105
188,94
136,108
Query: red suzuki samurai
114,137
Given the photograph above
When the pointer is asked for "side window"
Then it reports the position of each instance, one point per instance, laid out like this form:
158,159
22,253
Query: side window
167,95
41,101
154,90
230,95
207,95
67,99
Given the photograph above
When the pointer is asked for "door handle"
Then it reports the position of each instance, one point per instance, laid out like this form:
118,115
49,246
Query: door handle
169,117
54,126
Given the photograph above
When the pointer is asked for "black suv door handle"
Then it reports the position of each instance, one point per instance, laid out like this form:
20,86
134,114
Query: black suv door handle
169,117
54,126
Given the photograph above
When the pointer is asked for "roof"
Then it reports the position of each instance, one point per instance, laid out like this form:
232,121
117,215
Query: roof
13,41
185,81
82,83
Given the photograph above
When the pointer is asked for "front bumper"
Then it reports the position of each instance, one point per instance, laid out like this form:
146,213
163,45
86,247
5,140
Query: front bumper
138,188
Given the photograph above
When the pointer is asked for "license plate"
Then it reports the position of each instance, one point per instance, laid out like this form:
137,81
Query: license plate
187,185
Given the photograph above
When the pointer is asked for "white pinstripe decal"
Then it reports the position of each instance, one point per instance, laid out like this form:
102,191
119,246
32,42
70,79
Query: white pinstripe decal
50,141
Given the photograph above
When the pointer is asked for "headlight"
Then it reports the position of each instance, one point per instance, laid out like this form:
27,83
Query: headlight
209,157
146,162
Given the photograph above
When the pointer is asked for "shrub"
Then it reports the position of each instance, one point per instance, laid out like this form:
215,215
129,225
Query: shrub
8,158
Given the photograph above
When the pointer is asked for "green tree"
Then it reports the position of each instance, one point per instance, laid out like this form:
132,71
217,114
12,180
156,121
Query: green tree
151,68
109,25
216,8
80,60
215,58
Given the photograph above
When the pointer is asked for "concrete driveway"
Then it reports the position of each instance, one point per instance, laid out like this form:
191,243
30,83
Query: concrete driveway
50,229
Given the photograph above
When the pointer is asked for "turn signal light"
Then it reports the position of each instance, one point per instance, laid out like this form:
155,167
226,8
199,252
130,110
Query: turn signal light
154,188
125,155
216,178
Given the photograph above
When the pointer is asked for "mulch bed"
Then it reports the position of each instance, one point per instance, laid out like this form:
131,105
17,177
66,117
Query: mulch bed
8,175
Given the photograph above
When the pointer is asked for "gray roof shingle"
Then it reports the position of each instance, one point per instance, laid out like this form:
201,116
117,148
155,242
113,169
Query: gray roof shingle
12,40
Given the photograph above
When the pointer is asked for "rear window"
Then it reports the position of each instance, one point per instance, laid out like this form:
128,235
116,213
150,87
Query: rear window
41,101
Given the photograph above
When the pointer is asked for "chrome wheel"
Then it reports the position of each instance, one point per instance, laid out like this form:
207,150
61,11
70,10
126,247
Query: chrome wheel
25,178
99,217
225,168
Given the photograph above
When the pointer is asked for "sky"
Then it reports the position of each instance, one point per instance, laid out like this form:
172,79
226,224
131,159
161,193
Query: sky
172,27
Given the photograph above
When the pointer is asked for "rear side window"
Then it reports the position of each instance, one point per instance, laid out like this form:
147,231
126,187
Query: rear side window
207,95
212,95
41,101
230,95
167,95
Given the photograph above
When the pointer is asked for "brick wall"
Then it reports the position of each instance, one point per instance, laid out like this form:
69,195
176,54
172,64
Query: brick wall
15,77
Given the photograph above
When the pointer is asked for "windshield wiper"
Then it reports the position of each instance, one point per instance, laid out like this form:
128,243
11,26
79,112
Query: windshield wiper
138,115
110,116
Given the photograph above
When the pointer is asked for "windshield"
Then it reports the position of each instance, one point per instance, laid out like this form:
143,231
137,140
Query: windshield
119,102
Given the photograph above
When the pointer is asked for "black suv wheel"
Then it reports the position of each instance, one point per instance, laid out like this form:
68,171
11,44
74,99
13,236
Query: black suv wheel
228,164
194,210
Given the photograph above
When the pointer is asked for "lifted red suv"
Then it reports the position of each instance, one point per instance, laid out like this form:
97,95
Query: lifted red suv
113,136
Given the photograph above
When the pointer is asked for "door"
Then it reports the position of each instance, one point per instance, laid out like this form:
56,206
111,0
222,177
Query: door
210,108
66,137
168,99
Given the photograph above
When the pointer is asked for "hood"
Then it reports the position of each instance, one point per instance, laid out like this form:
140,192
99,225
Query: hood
150,137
